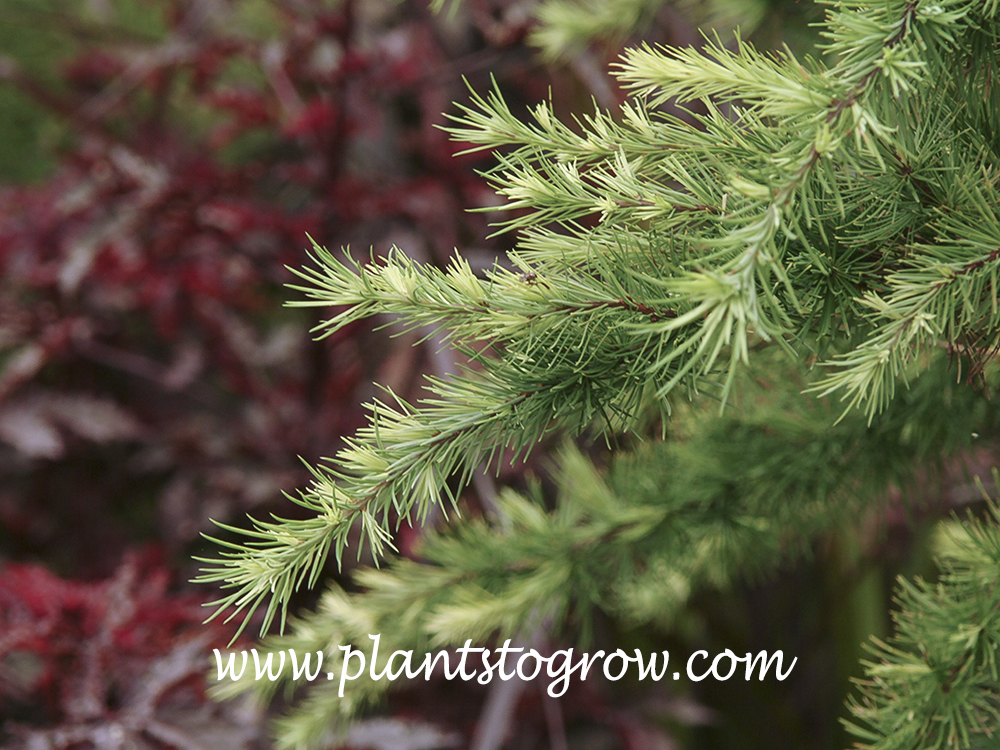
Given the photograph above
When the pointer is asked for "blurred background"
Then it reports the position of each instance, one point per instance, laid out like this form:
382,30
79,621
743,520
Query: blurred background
161,163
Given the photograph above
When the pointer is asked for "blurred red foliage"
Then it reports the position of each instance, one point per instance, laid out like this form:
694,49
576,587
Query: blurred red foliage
114,663
149,376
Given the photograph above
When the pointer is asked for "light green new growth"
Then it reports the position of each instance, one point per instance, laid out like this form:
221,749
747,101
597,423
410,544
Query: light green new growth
844,214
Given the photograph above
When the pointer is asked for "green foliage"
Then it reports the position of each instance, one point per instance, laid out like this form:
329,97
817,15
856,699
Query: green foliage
567,26
665,519
36,38
935,684
24,124
845,214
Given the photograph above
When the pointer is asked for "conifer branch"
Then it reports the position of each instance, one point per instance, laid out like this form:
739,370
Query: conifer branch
636,540
847,210
935,684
